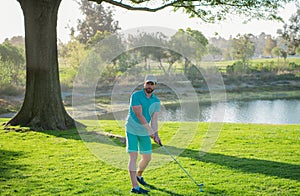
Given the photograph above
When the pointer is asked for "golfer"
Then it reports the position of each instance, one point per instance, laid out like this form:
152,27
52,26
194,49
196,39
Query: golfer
141,124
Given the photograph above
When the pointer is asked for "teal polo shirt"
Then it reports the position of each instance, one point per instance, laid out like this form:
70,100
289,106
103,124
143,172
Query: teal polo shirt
149,106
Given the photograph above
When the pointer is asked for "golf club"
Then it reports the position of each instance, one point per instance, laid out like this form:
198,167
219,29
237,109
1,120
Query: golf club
199,185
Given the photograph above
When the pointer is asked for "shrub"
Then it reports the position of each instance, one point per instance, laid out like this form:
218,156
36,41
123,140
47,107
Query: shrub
238,68
293,66
11,90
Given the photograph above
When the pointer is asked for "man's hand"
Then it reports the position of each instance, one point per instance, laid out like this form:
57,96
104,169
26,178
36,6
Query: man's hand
157,139
151,133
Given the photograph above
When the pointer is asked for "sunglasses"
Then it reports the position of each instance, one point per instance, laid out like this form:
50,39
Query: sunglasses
150,83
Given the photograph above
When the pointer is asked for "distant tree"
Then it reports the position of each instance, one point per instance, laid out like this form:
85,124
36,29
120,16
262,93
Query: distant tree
18,41
214,51
108,50
12,63
228,54
279,52
224,45
151,41
260,43
171,58
72,53
42,107
190,43
291,33
123,62
201,43
107,45
97,19
100,35
270,44
243,48
8,52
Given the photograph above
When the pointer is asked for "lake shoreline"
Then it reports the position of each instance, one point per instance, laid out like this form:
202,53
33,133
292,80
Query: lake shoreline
9,105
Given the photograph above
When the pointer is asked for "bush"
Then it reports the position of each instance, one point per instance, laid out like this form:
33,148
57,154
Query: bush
11,74
237,68
11,90
293,66
194,75
288,76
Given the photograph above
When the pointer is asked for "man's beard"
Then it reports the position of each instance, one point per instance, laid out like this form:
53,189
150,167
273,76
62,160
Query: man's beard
149,90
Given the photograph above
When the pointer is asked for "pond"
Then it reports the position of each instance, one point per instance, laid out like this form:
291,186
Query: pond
281,111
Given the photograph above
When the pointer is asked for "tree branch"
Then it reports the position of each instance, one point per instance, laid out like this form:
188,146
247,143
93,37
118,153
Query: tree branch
180,3
203,8
131,7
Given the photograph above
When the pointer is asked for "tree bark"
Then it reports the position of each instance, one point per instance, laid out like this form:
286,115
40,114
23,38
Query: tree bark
186,64
42,108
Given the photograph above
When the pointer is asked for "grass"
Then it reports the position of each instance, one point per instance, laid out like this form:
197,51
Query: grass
246,159
259,60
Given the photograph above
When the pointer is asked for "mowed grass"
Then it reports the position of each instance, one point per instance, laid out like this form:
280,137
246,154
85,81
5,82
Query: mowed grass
259,60
246,159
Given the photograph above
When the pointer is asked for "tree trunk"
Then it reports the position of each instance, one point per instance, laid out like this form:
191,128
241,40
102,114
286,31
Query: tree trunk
161,66
170,67
186,64
42,108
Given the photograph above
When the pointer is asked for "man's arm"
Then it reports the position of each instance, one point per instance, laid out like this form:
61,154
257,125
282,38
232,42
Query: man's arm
154,125
139,114
154,122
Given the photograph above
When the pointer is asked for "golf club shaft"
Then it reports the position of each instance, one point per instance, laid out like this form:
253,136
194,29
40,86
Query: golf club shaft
179,164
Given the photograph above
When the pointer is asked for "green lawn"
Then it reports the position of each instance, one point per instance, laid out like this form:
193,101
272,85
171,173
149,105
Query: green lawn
245,160
225,63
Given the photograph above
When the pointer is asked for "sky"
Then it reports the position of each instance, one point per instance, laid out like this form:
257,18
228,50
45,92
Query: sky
12,23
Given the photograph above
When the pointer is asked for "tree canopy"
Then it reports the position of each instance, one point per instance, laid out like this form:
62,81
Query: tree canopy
97,19
243,47
291,33
11,64
209,10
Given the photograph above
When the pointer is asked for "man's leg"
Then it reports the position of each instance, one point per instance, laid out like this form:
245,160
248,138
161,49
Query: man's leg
146,151
146,158
132,168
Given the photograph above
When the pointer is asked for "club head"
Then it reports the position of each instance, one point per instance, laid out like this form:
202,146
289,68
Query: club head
200,186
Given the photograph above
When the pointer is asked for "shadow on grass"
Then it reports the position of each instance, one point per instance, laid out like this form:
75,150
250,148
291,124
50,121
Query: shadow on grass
8,169
162,190
248,165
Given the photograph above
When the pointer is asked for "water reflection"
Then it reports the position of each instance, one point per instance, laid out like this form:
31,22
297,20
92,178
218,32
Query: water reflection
257,111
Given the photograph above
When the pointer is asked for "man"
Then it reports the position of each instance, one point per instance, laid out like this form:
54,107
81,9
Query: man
144,108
